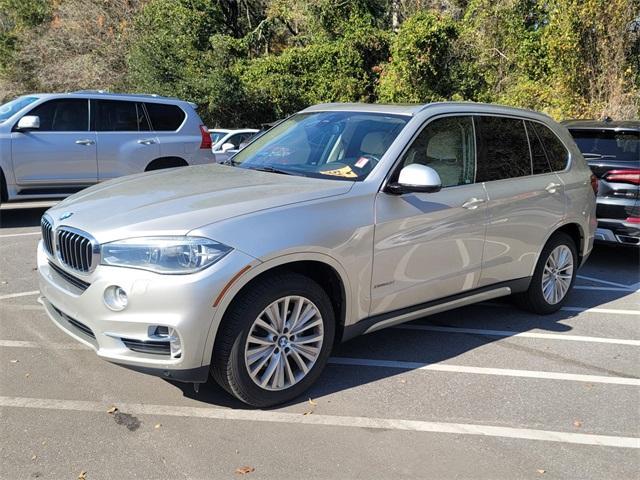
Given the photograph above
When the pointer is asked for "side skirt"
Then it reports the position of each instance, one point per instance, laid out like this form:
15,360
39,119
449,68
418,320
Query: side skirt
388,319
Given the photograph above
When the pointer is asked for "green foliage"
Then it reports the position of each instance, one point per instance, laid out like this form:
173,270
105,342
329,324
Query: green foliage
422,61
246,62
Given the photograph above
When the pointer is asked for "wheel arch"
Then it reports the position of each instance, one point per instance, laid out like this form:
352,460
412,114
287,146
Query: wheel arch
323,269
577,234
165,162
4,193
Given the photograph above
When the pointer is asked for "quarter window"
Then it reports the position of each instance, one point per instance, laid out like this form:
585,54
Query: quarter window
447,146
120,116
539,160
68,115
556,152
165,118
503,148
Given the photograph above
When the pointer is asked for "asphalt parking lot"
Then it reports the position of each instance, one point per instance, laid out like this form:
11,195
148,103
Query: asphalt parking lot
486,391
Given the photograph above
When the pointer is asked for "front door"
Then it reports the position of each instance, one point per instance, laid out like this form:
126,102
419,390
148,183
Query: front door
429,245
62,152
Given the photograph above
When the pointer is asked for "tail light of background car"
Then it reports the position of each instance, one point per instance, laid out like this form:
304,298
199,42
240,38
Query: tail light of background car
623,176
206,137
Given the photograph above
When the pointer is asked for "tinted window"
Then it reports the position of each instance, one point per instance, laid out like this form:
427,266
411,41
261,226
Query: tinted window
503,148
69,115
539,160
447,146
621,146
120,116
165,118
556,153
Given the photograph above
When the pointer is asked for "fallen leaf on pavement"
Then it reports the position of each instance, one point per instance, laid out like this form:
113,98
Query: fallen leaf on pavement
82,476
541,471
157,425
34,457
14,361
311,402
27,374
577,423
244,470
308,412
112,410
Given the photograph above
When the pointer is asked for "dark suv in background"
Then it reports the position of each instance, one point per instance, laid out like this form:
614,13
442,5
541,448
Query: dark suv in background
612,150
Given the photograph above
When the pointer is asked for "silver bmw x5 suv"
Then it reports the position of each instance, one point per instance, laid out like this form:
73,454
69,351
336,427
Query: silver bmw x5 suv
341,220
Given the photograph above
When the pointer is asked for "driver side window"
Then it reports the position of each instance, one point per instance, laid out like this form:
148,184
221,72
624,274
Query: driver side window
447,145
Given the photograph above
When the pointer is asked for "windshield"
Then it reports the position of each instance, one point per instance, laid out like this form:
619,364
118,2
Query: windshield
8,109
335,145
622,146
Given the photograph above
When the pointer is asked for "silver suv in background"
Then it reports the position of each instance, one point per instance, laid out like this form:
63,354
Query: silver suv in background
341,220
52,145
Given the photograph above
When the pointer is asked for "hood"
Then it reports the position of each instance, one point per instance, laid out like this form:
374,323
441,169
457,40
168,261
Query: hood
175,201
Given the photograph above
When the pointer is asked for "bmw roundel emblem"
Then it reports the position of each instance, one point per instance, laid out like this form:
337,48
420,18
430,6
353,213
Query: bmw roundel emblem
65,215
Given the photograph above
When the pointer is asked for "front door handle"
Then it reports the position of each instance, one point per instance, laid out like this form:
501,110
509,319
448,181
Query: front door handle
473,203
552,187
86,141
147,141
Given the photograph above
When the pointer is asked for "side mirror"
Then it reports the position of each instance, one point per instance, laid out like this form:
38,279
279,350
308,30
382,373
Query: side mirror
416,178
28,122
227,146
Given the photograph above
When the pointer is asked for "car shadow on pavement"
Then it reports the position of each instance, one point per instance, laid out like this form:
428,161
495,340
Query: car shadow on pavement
21,217
425,347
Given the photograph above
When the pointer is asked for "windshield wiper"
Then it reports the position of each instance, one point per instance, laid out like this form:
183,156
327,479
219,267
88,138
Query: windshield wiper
598,155
231,162
270,170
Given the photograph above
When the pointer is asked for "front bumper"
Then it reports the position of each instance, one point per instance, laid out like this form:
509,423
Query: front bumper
181,302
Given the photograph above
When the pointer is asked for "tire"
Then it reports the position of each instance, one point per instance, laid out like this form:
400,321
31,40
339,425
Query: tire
534,299
232,350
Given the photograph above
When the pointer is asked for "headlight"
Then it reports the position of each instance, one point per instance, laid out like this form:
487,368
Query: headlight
164,254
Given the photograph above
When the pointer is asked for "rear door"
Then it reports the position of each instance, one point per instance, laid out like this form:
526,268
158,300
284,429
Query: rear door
429,245
61,153
526,198
126,143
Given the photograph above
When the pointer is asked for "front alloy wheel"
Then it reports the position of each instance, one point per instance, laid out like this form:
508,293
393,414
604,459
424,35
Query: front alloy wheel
284,343
274,340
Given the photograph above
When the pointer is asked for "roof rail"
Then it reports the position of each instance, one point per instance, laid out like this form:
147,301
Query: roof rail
105,92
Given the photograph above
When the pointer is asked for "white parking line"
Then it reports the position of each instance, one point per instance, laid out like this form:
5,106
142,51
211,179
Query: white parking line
53,346
574,309
19,234
326,420
607,282
509,333
505,372
604,289
19,294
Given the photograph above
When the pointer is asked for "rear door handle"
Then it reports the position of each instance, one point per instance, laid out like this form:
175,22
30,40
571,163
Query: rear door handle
86,141
473,203
552,187
147,141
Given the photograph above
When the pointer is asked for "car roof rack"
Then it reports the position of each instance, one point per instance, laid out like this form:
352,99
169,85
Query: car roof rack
116,94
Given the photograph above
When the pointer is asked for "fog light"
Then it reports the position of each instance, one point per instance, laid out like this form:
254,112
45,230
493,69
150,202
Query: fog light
115,298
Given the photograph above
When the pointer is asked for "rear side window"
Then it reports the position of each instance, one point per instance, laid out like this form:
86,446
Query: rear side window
68,115
539,160
120,116
556,152
503,148
165,118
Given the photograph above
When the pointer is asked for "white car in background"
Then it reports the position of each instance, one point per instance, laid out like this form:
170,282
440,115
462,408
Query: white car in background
226,143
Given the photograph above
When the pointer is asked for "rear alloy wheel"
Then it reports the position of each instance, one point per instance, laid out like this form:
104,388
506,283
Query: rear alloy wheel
553,277
274,340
